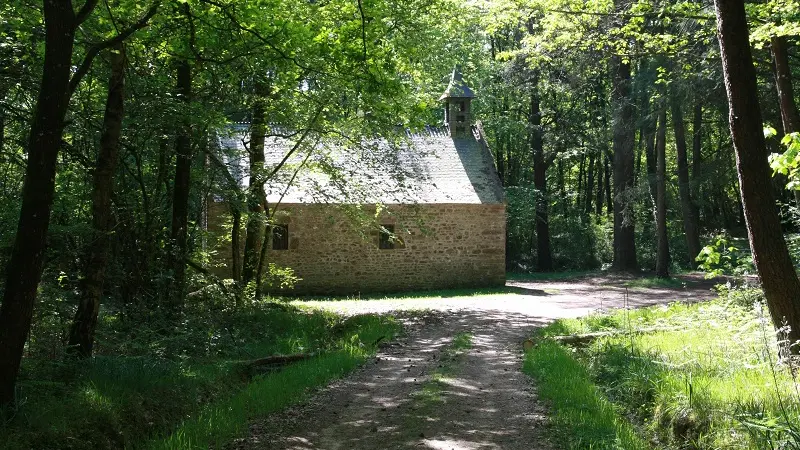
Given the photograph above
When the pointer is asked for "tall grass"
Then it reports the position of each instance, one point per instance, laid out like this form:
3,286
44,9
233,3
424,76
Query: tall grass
582,416
710,380
200,393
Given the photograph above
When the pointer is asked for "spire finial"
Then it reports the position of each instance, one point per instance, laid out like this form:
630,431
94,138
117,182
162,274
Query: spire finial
457,87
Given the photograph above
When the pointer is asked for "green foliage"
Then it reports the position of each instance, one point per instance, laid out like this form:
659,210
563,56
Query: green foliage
711,379
723,258
217,423
147,380
581,414
579,241
788,162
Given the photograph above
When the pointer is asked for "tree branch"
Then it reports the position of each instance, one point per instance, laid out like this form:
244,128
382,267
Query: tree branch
95,50
84,12
363,29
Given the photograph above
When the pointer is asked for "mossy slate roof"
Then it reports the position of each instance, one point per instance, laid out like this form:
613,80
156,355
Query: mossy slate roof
424,167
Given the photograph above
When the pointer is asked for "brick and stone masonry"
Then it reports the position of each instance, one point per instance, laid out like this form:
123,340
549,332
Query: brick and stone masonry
439,188
442,246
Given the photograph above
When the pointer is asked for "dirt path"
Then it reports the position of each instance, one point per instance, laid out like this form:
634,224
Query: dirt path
415,394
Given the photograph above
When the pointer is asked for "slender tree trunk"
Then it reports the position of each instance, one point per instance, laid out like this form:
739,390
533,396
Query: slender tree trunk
690,227
2,119
770,255
581,173
543,252
662,239
27,256
256,196
624,139
81,335
180,193
236,245
590,184
697,157
650,152
607,183
598,207
697,142
783,80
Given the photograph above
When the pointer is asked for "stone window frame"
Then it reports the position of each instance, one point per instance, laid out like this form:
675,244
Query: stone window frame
280,236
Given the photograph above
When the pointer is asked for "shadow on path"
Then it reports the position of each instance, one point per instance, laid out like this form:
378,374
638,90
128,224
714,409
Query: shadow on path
484,402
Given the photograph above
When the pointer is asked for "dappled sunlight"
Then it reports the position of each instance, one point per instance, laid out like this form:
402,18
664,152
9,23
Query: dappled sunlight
455,382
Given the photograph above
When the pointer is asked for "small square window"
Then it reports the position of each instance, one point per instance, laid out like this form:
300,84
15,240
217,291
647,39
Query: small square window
385,241
280,237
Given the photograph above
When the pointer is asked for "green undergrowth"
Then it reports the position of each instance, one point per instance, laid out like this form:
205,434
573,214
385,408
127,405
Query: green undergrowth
582,416
185,388
703,376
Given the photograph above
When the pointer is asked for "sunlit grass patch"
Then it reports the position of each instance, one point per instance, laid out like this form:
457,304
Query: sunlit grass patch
583,418
709,379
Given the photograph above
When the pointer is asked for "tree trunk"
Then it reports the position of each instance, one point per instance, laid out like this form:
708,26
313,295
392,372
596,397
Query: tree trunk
607,183
81,335
236,245
697,143
27,256
770,255
697,157
590,184
256,196
581,173
660,200
623,142
650,152
783,81
180,192
543,253
690,227
598,207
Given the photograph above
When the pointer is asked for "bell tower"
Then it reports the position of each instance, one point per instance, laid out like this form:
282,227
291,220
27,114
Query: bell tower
457,106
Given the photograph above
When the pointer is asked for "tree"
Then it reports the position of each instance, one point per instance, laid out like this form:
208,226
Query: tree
770,255
57,85
81,334
623,147
660,200
540,163
257,199
690,225
783,80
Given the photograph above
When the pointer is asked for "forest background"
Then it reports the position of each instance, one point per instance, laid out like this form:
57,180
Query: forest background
608,121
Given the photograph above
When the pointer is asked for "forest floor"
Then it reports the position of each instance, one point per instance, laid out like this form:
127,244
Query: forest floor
454,381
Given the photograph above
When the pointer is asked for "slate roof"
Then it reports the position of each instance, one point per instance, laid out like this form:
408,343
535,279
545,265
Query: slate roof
425,167
457,87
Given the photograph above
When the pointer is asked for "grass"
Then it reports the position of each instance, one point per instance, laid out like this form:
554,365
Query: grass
133,397
412,295
710,381
583,418
552,276
431,391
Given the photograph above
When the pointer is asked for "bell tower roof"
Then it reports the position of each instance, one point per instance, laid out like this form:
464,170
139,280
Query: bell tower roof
457,87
